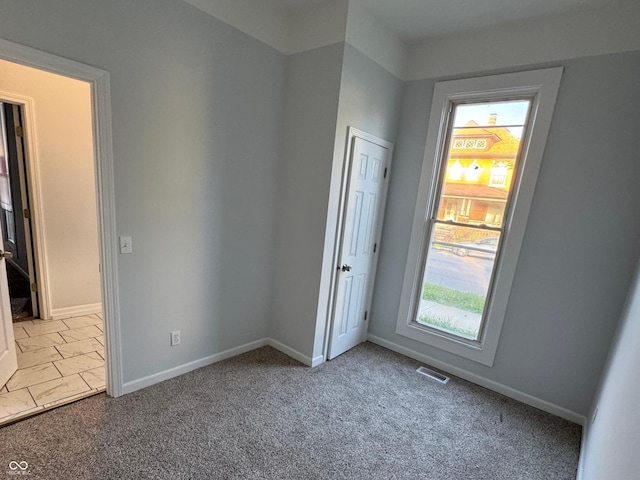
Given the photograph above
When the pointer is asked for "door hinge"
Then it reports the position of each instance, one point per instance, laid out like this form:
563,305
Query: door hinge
34,287
27,213
375,247
19,131
365,314
385,172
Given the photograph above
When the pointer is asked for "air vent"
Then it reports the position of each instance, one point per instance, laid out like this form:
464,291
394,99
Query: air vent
438,377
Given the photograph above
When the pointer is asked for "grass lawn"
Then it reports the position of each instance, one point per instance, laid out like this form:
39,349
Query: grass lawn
471,302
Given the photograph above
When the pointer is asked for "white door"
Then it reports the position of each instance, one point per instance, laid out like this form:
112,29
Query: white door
360,241
8,359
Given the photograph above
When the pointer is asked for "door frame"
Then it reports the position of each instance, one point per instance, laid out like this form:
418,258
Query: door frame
99,81
352,134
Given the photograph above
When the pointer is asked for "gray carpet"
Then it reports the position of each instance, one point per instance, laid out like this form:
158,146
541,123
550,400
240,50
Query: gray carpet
261,415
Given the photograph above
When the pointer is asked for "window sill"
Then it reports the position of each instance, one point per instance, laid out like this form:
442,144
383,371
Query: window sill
471,350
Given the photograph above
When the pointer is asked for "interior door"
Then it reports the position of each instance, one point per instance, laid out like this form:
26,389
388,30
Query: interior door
361,227
8,359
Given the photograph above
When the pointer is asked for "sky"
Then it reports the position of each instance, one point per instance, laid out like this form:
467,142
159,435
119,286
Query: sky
509,113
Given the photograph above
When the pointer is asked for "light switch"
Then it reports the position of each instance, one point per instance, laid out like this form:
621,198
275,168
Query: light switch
126,246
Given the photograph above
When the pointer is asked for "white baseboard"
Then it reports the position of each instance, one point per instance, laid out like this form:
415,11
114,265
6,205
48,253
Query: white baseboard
583,447
312,362
218,357
478,380
75,311
149,380
281,347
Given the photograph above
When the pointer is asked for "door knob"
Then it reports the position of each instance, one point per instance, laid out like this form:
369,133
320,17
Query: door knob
10,255
346,268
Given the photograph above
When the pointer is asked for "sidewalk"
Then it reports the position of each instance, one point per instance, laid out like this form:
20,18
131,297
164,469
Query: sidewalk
458,317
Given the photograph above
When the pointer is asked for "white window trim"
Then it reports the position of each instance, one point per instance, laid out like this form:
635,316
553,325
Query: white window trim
542,86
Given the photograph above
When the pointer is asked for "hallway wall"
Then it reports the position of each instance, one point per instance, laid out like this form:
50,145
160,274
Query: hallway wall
63,136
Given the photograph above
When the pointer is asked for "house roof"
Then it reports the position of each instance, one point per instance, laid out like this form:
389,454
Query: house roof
474,190
500,142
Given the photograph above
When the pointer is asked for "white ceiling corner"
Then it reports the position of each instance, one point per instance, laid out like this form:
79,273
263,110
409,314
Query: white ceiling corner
288,25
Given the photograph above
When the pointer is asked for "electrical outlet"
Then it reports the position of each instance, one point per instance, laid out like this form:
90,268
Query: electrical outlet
175,338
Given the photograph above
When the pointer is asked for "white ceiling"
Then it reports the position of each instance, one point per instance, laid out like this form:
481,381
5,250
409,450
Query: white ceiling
414,20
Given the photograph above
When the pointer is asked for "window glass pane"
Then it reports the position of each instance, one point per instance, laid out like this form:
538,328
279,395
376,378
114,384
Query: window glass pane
5,187
6,203
478,171
10,227
480,161
460,263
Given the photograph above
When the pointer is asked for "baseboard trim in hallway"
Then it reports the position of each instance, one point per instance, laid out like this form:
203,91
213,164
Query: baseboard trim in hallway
77,311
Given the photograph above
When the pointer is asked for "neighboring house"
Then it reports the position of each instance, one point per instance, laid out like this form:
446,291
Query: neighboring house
479,173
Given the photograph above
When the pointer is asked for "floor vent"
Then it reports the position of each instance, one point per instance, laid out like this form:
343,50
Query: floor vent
438,377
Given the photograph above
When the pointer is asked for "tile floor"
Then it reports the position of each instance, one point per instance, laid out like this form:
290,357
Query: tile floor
58,361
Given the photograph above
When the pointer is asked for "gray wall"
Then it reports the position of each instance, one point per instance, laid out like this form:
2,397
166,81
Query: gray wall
580,246
328,89
370,100
611,446
197,118
311,109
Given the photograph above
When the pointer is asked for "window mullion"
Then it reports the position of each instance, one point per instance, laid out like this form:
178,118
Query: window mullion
481,226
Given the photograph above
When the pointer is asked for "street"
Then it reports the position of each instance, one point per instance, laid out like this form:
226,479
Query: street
465,274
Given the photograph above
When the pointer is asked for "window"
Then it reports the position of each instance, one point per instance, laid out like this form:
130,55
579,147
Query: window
6,202
499,174
484,147
469,143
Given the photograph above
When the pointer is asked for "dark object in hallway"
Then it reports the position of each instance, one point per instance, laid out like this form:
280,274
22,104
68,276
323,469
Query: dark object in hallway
20,293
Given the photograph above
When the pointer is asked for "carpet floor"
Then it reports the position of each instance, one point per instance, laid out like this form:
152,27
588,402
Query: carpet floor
261,415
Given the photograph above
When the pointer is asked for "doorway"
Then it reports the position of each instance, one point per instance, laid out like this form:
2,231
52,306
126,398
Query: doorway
60,353
15,215
367,182
81,327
